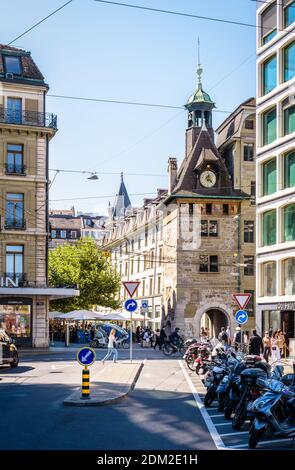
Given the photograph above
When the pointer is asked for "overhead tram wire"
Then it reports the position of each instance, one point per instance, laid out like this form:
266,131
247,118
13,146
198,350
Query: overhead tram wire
40,22
178,13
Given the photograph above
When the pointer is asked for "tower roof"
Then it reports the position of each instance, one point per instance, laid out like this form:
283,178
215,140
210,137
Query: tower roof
199,96
122,201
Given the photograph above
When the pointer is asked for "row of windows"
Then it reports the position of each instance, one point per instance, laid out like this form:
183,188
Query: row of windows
269,176
269,69
271,128
269,225
269,21
209,228
210,264
64,234
268,275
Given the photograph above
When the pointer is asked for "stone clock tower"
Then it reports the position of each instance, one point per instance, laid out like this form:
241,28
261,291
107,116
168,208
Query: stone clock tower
202,206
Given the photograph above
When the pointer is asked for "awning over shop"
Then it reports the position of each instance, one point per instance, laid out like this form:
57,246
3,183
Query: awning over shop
51,292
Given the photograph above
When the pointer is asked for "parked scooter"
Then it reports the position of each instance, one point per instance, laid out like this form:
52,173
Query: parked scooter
274,412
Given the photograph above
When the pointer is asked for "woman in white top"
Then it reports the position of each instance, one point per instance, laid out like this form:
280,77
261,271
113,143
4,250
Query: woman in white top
111,347
275,350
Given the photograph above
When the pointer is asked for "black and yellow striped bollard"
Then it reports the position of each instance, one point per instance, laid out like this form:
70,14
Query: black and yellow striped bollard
85,382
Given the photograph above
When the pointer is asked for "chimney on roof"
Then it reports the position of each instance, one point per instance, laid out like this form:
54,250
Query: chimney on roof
172,173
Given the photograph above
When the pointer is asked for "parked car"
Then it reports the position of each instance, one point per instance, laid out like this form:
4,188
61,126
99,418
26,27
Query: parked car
8,350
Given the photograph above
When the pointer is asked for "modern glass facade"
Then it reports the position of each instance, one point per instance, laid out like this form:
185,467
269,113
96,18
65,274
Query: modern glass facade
269,227
269,74
269,177
269,126
289,61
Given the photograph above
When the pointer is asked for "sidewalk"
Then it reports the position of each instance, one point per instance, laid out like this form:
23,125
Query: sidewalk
61,348
110,385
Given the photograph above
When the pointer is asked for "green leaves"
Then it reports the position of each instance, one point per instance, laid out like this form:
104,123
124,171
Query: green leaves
83,265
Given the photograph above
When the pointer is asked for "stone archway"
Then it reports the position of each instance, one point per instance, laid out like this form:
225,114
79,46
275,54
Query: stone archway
218,314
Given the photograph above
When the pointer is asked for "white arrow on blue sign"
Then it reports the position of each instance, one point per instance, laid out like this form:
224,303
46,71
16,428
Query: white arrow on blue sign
86,356
241,317
130,305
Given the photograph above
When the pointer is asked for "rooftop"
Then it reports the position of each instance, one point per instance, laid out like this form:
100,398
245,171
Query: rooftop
18,65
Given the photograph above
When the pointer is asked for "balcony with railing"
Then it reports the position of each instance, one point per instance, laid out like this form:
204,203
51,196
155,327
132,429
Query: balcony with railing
28,118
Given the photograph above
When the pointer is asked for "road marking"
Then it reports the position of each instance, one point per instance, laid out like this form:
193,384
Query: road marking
234,433
222,424
208,421
260,443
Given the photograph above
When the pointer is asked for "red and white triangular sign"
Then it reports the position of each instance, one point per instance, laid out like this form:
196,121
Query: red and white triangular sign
242,299
131,287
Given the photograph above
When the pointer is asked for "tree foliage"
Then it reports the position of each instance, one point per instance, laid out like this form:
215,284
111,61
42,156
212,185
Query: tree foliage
83,265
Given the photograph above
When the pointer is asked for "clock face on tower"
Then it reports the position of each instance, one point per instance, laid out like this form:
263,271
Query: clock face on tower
208,178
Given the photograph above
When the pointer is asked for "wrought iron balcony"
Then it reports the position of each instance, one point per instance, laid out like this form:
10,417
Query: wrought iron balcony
15,225
11,169
28,118
18,278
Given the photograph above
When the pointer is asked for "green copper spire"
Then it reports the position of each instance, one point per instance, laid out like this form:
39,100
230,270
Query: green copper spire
200,96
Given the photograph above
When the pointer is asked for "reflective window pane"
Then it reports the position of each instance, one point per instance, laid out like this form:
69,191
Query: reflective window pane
269,227
269,171
269,278
289,222
289,120
269,126
289,276
269,75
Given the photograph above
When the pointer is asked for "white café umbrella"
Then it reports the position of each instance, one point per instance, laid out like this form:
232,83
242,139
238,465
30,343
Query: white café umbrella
111,316
135,316
53,315
82,315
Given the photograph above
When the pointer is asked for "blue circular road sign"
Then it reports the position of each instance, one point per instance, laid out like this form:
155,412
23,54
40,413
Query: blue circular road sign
241,317
130,305
144,304
86,356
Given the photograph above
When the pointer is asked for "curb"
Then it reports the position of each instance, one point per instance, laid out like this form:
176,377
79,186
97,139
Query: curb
110,401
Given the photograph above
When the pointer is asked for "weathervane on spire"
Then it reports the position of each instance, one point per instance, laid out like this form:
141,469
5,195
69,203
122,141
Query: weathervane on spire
199,69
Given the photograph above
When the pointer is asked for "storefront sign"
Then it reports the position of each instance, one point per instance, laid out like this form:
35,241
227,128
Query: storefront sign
8,282
286,306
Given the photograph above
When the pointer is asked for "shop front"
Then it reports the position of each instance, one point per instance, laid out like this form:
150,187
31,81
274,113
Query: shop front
278,316
24,313
16,319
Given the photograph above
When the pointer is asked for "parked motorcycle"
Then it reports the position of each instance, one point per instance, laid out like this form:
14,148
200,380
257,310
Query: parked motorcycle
274,412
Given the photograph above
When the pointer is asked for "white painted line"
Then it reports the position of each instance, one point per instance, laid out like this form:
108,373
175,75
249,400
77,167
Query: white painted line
273,441
209,423
234,433
217,416
223,424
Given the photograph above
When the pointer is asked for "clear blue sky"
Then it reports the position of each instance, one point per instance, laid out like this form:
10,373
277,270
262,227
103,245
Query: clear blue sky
95,50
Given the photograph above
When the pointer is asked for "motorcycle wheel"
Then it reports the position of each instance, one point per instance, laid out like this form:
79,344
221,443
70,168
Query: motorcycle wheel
198,367
221,402
167,349
190,361
254,436
229,409
209,397
239,419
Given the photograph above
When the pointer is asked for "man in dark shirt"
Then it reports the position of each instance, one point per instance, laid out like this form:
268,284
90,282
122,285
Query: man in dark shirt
255,344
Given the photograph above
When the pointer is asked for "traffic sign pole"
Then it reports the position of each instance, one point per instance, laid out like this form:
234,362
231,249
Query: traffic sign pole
131,337
85,383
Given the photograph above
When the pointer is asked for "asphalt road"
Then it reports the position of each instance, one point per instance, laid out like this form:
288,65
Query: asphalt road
161,412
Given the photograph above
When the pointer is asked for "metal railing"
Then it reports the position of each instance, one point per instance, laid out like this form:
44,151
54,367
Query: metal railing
28,118
11,169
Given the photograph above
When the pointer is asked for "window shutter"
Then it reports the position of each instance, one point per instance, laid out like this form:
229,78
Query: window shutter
1,104
269,19
31,113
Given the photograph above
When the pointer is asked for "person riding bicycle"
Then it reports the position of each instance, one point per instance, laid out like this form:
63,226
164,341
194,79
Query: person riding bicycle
175,338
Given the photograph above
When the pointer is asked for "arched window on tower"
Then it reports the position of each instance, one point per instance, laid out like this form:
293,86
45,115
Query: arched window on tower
198,118
208,119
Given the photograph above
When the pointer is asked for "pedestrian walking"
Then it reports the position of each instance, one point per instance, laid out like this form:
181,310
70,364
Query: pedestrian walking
255,344
163,336
112,350
222,337
157,339
266,346
275,350
281,342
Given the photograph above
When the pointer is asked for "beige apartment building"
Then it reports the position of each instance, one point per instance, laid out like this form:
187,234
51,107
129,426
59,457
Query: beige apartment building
192,247
25,133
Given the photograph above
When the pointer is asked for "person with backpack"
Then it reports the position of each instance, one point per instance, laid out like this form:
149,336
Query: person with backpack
222,337
255,344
